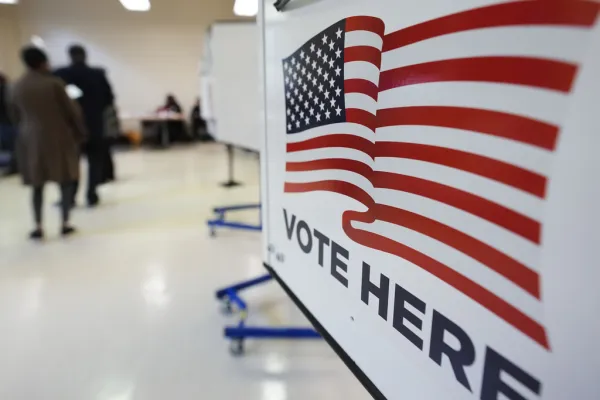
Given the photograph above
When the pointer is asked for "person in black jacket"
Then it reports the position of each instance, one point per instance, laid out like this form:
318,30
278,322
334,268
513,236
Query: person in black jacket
7,130
96,96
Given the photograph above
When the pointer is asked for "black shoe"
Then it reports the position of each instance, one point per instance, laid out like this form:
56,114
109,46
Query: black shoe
93,201
68,231
37,235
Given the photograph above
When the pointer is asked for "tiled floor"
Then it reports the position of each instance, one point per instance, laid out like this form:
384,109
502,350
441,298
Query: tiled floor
126,309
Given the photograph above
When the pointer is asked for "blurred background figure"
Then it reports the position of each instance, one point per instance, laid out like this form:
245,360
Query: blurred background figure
51,131
7,131
198,124
171,105
97,96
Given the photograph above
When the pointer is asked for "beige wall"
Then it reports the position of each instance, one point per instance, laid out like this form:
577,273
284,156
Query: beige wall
146,55
9,41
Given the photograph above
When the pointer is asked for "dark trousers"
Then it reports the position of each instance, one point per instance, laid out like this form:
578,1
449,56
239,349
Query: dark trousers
95,154
65,202
8,139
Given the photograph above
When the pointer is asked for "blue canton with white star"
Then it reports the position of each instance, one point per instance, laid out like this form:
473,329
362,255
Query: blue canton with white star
314,81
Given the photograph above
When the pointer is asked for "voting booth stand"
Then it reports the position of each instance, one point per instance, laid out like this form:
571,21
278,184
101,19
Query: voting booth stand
231,105
229,94
430,190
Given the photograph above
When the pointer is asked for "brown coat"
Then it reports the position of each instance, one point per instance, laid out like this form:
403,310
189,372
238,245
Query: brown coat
50,129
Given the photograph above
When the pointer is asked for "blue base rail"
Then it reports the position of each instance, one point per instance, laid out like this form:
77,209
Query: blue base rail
220,222
238,334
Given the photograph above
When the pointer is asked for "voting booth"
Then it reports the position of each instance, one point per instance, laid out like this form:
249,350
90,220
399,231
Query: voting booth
430,190
229,84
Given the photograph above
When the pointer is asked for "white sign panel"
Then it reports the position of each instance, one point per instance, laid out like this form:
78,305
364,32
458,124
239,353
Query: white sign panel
230,84
432,190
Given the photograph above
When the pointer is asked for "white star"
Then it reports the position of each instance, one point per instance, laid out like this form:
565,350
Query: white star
288,111
293,101
293,117
332,82
294,76
303,71
287,80
324,39
301,114
321,88
292,85
309,75
332,102
325,58
306,105
314,81
316,99
319,52
304,87
312,111
302,54
310,95
326,75
331,44
301,97
307,120
327,114
330,63
287,94
339,33
338,111
337,71
338,91
307,60
327,94
298,66
297,108
318,117
285,66
312,47
293,60
314,65
322,106
299,80
289,127
297,124
338,53
320,71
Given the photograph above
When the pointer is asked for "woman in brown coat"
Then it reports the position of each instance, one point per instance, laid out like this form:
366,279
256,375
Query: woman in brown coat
51,131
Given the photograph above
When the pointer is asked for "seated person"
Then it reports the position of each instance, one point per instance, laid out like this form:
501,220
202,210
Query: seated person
198,124
171,105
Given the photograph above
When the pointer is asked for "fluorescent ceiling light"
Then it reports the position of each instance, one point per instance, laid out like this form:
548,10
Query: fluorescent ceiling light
245,8
135,5
8,1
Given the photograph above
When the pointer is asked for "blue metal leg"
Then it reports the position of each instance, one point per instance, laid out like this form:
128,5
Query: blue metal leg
238,334
220,222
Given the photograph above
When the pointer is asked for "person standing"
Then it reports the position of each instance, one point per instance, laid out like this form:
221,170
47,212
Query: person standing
7,131
96,96
51,131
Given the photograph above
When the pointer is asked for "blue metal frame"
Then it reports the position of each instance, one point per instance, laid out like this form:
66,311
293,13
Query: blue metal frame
237,334
220,222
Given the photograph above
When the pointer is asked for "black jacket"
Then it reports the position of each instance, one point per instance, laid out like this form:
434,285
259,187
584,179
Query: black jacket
4,117
97,94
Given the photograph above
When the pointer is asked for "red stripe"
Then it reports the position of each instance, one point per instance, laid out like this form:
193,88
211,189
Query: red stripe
361,117
364,23
508,174
335,140
504,265
363,53
508,126
478,293
362,86
569,13
535,72
331,163
515,222
340,187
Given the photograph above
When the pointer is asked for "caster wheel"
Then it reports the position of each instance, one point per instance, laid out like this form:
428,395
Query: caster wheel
236,347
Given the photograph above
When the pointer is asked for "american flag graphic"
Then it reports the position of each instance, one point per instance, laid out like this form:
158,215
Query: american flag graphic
415,125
